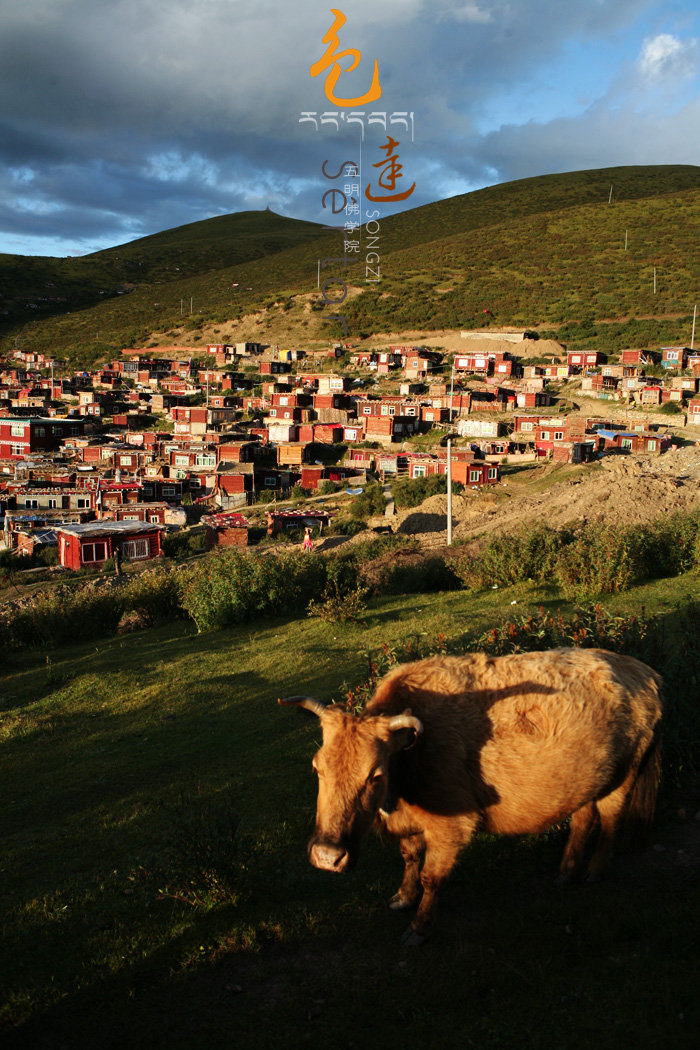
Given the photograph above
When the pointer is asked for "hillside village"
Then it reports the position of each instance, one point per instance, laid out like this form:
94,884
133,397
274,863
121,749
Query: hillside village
101,464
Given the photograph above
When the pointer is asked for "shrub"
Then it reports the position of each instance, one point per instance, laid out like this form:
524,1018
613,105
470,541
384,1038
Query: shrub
408,572
371,501
183,544
229,587
345,527
603,559
339,608
62,615
409,492
529,554
154,595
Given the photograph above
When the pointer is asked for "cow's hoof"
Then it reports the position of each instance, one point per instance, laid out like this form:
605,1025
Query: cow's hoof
413,938
399,903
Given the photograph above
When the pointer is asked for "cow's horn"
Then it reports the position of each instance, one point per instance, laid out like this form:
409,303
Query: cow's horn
406,722
307,702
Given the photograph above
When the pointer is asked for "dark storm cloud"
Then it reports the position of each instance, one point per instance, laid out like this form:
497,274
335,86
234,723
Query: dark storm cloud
121,119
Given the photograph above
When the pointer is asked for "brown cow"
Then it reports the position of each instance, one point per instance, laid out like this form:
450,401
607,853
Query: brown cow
509,744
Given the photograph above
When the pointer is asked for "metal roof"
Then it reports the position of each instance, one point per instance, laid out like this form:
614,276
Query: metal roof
109,528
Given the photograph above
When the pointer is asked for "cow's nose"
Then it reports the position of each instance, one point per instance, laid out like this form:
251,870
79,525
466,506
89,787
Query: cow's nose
328,857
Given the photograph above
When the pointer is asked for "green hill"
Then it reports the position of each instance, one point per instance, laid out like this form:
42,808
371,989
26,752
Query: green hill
31,286
559,251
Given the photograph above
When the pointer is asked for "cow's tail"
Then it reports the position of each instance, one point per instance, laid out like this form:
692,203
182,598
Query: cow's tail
641,801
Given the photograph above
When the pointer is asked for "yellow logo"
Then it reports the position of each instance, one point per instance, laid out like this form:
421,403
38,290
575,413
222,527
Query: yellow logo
330,61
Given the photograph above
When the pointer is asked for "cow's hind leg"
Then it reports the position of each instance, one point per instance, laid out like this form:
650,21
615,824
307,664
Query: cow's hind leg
409,891
612,809
583,821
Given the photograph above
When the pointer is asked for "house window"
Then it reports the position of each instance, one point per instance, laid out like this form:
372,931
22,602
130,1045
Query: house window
627,442
136,550
31,503
419,471
83,504
17,430
40,432
558,435
17,450
651,445
195,483
53,504
544,436
493,472
475,475
93,552
181,461
270,482
526,426
169,490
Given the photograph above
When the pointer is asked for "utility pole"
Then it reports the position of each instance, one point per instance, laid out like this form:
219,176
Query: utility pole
449,492
692,334
610,197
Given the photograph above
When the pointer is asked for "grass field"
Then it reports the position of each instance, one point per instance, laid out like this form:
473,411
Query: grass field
156,892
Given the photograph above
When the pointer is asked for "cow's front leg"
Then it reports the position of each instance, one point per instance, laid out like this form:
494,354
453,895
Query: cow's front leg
409,892
443,843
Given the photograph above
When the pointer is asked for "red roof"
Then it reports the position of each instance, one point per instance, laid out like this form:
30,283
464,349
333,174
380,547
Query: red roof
226,521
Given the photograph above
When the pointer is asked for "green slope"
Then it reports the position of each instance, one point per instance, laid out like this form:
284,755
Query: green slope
32,287
544,251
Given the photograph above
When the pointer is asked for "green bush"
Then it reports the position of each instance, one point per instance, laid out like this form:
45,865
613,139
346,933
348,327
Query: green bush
154,595
371,501
531,553
62,615
410,492
183,544
230,587
603,559
589,561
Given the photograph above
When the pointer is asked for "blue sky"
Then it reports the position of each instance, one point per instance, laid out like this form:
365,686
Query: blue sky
124,119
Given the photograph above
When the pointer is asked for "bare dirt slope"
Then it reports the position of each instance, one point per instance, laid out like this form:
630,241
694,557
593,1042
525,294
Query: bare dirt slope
621,489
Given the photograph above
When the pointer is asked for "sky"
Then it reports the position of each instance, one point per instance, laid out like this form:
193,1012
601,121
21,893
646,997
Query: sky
121,119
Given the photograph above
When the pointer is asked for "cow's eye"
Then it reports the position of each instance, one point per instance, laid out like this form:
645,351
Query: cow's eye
377,774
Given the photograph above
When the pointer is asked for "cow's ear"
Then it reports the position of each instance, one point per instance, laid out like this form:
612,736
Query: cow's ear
405,730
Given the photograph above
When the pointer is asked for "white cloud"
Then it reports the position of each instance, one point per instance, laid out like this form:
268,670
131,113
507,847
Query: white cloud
665,57
471,12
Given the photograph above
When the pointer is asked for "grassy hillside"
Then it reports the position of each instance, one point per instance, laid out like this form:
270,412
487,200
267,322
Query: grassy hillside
548,251
157,804
32,286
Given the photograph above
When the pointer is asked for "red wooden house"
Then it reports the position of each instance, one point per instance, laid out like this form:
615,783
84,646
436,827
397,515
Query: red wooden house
94,543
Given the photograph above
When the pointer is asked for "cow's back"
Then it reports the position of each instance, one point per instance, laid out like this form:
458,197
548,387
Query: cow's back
523,739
